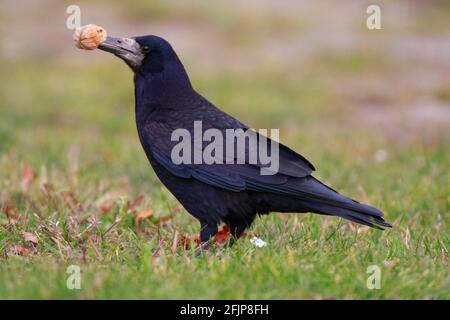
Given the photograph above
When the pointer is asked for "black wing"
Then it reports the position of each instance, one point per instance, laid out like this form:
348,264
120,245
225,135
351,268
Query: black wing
156,135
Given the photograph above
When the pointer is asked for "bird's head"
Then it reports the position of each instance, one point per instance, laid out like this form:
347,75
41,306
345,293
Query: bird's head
159,73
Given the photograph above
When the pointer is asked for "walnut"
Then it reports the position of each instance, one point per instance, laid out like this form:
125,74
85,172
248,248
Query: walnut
89,37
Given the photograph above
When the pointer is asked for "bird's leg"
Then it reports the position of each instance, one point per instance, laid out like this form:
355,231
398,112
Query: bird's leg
236,232
206,233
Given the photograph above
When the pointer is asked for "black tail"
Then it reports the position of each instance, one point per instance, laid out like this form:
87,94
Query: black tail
321,199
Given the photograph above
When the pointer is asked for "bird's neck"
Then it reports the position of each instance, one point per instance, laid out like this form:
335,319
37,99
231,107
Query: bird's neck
156,96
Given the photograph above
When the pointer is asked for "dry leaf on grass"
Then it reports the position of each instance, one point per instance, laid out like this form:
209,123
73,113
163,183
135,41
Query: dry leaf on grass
20,250
142,215
223,235
184,242
106,207
11,215
137,202
28,176
148,213
171,214
107,202
69,199
27,236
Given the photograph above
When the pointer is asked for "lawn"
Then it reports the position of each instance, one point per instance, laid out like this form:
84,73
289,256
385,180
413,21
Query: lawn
77,189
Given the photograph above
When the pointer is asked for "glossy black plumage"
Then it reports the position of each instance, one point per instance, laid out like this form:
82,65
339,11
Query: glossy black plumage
230,193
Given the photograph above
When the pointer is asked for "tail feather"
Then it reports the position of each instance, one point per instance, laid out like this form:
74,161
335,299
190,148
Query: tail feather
324,200
355,216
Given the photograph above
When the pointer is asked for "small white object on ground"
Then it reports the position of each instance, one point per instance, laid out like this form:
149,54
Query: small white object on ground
258,242
381,155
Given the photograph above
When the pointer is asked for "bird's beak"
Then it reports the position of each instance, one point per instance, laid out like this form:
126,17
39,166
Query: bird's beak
125,48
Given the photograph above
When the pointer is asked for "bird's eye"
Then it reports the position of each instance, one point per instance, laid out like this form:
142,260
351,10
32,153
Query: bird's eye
145,49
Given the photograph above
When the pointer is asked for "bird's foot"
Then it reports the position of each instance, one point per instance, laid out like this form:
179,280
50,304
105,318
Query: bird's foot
202,248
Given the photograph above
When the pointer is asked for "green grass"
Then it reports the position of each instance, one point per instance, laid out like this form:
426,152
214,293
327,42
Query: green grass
79,137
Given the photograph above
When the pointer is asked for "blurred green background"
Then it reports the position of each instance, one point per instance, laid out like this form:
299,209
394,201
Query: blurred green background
371,109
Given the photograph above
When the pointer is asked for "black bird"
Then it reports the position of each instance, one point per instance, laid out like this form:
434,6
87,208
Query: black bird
230,193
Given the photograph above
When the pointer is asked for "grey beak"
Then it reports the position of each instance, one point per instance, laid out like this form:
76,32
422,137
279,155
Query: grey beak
125,48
